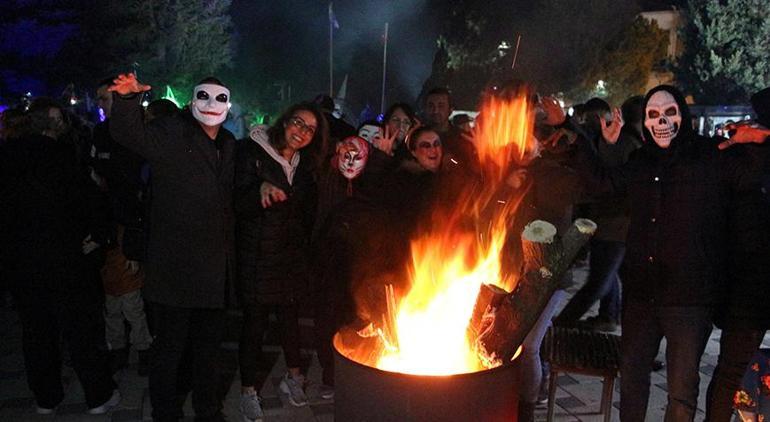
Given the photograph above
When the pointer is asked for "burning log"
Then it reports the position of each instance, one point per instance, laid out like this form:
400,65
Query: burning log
504,327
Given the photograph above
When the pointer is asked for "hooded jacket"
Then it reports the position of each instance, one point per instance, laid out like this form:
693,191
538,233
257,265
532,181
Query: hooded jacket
272,243
683,200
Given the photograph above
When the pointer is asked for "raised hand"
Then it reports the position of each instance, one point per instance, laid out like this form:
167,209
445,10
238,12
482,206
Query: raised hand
271,194
385,142
126,84
746,132
611,132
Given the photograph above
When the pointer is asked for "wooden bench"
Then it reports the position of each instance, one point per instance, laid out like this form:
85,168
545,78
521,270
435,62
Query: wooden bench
582,352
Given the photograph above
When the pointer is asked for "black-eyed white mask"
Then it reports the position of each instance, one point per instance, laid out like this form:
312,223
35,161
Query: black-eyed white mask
662,118
370,132
210,104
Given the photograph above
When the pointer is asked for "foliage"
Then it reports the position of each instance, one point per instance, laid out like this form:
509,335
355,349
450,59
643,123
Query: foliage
560,39
727,46
625,63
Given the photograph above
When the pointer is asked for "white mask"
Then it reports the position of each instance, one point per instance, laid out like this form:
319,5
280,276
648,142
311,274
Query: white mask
370,132
210,104
662,118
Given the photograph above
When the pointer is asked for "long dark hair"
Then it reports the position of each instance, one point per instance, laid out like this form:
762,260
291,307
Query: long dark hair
318,148
406,108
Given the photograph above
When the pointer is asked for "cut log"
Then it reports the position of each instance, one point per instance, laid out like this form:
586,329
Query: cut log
506,326
537,243
489,298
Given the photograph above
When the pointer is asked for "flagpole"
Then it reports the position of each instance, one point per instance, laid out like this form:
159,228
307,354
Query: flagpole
516,52
331,49
384,67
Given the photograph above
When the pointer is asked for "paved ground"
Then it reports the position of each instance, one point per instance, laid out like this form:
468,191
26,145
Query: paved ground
577,397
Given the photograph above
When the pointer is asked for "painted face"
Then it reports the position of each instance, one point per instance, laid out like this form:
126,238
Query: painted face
428,151
438,110
370,132
210,104
300,129
662,118
399,122
353,155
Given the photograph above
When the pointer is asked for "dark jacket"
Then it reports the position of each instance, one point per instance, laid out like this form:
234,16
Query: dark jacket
272,242
48,207
190,252
682,201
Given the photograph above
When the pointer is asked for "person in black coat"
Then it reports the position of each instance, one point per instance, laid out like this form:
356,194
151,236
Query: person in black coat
49,217
190,253
683,193
275,201
744,315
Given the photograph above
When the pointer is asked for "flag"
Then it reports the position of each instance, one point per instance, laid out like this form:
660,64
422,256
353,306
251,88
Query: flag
332,18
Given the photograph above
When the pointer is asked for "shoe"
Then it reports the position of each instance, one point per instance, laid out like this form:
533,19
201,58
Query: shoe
600,323
107,406
44,410
326,391
294,387
251,407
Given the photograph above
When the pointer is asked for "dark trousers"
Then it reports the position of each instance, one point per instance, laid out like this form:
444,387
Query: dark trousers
737,346
686,330
255,324
76,316
602,284
186,357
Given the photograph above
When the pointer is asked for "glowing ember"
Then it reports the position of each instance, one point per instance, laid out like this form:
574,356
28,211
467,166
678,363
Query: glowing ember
429,333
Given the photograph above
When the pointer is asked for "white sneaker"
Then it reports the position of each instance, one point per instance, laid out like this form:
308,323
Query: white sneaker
251,409
326,392
107,406
294,387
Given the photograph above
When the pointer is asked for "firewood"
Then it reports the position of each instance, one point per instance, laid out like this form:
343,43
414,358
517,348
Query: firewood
489,297
512,320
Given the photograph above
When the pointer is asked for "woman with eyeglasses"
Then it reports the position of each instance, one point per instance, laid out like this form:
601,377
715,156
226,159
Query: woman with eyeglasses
400,119
275,200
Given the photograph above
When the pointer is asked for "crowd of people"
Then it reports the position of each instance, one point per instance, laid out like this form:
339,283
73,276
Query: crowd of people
159,219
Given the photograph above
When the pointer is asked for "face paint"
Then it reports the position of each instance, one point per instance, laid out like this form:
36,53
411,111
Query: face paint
428,151
370,132
352,157
210,104
662,118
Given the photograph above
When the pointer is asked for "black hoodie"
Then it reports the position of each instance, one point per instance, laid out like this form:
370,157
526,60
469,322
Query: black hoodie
682,200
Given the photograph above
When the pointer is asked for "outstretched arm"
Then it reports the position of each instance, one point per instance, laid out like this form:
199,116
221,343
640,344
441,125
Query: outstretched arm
746,132
127,120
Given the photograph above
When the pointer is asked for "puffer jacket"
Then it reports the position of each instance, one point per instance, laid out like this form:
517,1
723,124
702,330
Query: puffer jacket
272,243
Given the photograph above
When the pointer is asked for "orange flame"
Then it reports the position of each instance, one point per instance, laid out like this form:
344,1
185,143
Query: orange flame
449,267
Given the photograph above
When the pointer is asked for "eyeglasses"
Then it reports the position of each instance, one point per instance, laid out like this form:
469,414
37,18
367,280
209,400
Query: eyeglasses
400,122
303,127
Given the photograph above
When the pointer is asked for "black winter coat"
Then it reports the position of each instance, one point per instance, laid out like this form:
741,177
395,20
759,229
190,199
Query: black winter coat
272,242
190,252
47,207
682,200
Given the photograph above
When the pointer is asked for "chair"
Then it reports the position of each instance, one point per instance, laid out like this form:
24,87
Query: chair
582,352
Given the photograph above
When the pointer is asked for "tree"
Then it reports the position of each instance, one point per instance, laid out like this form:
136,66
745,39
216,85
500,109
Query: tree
625,63
171,42
560,39
727,44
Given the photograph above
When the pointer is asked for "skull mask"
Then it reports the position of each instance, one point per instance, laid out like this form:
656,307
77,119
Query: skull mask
662,118
210,104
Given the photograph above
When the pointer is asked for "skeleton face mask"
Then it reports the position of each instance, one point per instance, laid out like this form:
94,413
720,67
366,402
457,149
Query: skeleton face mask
352,156
210,104
370,132
662,118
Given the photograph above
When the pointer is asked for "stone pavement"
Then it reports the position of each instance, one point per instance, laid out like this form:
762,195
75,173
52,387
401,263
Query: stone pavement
577,397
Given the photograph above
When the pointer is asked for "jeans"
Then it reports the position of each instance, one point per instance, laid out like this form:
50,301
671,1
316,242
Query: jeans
686,330
602,284
255,324
736,348
186,356
530,370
